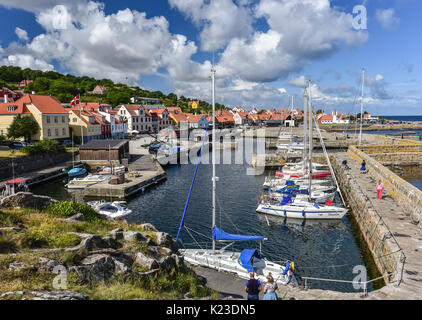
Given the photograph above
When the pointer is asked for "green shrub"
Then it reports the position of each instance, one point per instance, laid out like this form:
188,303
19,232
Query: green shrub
34,239
65,240
70,208
7,246
46,145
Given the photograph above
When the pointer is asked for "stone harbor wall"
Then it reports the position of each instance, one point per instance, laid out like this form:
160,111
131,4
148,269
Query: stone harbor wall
405,194
23,165
384,249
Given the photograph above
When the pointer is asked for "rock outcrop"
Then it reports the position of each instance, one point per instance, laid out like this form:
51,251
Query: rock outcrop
26,200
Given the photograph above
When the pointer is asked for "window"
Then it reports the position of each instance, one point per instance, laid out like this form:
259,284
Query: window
57,132
11,108
48,119
49,132
56,119
74,119
64,131
63,119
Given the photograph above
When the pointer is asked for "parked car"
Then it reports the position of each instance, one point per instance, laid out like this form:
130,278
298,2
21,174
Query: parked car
19,144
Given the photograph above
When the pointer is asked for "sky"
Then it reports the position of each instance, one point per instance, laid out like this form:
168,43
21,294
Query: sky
264,51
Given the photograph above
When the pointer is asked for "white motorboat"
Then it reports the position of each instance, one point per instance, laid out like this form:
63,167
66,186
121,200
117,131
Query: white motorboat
115,209
82,183
297,146
112,170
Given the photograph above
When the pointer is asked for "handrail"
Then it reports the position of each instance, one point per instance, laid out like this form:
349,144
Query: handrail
365,288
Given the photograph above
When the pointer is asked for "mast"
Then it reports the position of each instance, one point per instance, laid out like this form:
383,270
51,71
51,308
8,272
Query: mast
213,155
305,128
310,138
361,107
73,153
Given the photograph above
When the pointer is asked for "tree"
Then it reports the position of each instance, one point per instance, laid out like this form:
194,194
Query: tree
23,127
319,111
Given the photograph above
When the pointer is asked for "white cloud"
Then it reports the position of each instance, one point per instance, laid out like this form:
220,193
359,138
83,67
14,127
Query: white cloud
387,19
36,5
87,41
22,34
300,81
26,61
219,20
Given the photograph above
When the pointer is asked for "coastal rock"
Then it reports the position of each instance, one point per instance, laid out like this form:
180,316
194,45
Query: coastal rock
166,240
134,236
101,267
58,295
47,265
17,266
96,242
26,200
12,293
143,261
168,263
117,234
148,227
79,217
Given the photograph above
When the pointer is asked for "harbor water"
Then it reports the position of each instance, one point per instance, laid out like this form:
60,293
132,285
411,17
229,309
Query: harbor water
321,249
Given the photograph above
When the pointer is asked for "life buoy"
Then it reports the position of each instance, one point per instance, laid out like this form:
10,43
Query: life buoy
292,266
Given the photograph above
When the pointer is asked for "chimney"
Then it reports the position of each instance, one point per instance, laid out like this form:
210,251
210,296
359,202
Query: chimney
6,98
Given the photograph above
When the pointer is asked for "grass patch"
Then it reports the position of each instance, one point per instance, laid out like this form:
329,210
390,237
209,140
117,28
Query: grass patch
7,246
11,154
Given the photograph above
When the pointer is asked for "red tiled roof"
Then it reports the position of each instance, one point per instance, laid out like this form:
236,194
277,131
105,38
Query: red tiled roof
45,104
326,117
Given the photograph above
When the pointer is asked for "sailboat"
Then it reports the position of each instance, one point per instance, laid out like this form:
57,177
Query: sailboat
293,207
239,263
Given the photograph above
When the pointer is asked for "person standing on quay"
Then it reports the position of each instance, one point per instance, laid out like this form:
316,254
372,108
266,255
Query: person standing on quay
270,289
363,168
380,187
253,287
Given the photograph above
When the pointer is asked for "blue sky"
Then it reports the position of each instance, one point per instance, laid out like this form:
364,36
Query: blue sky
263,50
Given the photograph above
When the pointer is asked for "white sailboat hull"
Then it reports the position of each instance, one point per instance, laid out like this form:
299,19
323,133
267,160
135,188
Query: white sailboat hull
228,261
302,211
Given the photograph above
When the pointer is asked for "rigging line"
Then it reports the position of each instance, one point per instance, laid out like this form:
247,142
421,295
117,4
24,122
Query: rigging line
187,229
222,210
201,234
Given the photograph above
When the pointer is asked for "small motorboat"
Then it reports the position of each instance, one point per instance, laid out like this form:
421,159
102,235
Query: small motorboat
89,180
114,210
76,172
114,170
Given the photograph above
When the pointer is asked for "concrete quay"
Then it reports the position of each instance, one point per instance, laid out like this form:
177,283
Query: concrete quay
148,173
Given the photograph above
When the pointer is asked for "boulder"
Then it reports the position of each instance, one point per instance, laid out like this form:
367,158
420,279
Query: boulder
117,234
168,263
96,242
17,266
166,240
26,200
47,265
58,295
144,261
79,217
148,227
101,267
137,236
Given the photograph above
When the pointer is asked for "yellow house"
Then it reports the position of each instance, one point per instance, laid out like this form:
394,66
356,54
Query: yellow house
52,117
84,124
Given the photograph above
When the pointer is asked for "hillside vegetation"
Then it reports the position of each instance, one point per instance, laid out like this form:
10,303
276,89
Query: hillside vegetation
65,87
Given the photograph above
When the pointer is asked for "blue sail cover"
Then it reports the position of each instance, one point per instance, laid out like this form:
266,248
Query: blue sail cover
218,234
286,200
290,183
245,259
